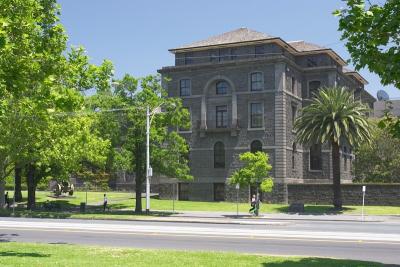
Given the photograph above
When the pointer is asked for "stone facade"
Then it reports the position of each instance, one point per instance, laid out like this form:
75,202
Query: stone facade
376,194
286,75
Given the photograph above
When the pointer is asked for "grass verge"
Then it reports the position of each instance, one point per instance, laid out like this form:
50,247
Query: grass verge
122,204
45,255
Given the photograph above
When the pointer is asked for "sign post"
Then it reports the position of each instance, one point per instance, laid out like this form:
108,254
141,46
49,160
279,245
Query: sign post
364,188
237,199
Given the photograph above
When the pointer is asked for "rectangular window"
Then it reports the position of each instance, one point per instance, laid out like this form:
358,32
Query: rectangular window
184,87
256,80
214,56
219,191
188,58
183,191
315,157
234,53
222,116
224,54
313,88
259,50
293,85
256,115
294,113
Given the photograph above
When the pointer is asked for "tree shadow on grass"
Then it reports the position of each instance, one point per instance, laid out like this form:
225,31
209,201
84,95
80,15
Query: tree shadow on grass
22,254
325,262
95,211
316,210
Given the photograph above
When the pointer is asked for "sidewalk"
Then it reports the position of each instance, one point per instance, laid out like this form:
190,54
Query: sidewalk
276,218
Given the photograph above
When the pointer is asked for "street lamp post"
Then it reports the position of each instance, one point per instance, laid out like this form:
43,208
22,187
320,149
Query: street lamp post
148,169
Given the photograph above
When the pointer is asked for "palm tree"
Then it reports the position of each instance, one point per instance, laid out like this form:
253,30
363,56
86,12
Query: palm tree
333,116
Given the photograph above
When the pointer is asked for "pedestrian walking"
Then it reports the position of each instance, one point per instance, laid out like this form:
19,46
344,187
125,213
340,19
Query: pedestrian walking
257,205
105,202
253,204
7,200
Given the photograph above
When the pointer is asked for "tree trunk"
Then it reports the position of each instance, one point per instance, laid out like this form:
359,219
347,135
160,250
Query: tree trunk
337,190
2,195
31,181
18,181
139,175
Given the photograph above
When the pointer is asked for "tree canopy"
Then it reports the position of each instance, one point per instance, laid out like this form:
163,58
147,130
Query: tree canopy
255,171
125,126
40,79
372,35
380,160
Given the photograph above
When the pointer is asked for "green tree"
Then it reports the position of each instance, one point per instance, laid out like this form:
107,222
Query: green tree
255,171
39,78
334,117
123,120
371,32
380,160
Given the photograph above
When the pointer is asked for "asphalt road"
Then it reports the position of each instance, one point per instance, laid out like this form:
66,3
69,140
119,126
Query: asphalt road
372,241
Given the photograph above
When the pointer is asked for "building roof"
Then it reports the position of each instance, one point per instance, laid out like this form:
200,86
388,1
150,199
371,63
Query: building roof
303,46
235,36
355,74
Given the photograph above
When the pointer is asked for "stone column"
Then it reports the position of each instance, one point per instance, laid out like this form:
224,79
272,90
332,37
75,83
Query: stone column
203,124
280,127
234,111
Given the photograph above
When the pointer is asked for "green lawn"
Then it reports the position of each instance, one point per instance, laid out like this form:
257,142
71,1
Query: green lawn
123,203
44,255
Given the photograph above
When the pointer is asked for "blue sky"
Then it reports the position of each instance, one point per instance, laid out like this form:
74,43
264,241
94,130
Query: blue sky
136,35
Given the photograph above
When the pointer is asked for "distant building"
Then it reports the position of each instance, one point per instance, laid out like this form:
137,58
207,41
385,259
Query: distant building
392,106
243,90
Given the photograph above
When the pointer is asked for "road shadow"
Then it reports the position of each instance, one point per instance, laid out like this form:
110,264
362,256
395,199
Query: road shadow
22,254
325,262
7,237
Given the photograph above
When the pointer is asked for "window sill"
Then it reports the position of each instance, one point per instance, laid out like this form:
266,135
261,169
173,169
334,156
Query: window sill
256,129
315,170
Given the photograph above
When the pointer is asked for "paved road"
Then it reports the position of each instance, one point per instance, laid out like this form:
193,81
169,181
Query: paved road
374,241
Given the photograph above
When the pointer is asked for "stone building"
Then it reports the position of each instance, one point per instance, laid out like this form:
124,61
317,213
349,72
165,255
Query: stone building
243,90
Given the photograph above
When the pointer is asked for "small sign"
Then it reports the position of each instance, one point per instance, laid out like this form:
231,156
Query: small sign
150,172
237,186
364,188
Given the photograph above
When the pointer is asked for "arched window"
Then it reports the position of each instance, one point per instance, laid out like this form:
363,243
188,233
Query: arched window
315,157
313,87
255,146
219,155
221,88
293,156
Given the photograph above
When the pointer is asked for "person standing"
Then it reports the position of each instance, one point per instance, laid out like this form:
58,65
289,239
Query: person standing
105,202
7,200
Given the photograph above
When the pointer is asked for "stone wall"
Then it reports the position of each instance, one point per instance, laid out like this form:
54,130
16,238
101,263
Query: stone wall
376,194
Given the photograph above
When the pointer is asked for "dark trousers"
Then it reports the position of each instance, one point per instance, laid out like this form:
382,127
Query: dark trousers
104,205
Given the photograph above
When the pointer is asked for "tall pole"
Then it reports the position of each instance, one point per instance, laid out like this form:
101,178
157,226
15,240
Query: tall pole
147,159
13,213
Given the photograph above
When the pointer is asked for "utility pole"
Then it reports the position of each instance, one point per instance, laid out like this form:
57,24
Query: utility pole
148,170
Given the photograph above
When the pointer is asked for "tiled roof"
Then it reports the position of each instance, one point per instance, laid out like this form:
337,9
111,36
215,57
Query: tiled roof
235,36
302,46
347,70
